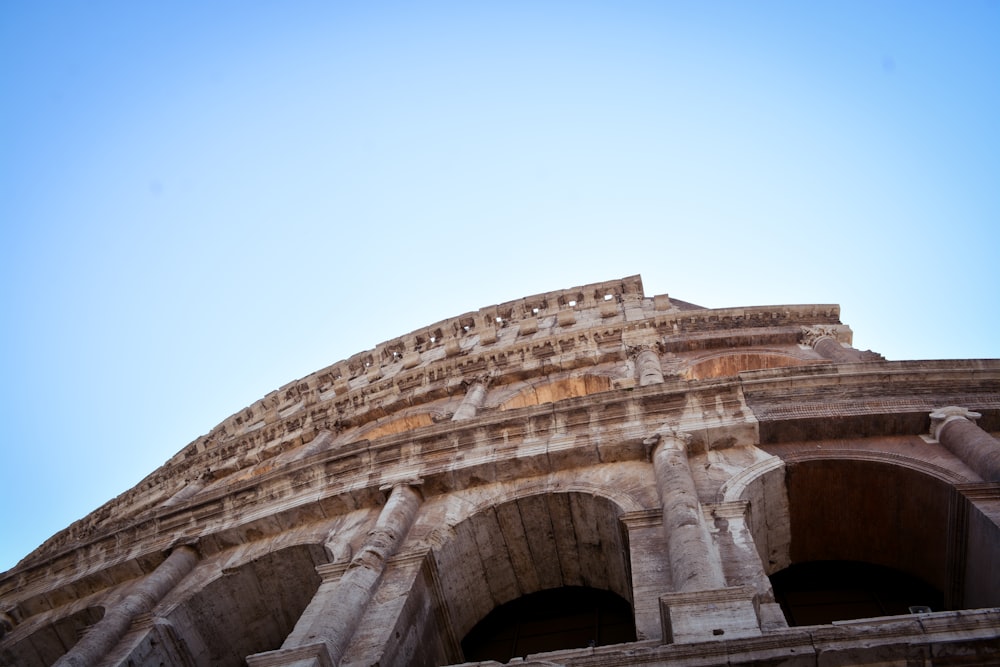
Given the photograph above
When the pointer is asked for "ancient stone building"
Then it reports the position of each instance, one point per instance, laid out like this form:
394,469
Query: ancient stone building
583,477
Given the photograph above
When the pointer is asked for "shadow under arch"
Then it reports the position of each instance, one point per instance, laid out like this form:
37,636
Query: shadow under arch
820,592
247,609
553,619
50,642
765,487
857,512
528,544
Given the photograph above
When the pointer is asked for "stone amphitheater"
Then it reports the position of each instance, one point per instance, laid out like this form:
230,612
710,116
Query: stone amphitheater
583,477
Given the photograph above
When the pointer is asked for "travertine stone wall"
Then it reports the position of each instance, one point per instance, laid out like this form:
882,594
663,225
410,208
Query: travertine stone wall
375,511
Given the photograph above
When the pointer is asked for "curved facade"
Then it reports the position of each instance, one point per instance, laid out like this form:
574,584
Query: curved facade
583,477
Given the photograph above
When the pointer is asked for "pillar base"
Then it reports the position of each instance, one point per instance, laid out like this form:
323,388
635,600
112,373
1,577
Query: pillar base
721,613
310,655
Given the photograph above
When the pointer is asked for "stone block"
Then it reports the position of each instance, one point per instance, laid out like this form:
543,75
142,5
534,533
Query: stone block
528,326
713,615
609,309
311,655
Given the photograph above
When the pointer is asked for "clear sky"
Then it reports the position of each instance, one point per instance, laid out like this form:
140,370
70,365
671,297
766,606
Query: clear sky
201,201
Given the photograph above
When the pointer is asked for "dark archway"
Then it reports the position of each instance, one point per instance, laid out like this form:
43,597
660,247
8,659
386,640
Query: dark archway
866,538
871,512
826,591
48,644
559,618
530,544
248,609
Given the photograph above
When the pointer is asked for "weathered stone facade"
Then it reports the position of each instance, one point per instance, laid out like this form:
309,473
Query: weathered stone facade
677,459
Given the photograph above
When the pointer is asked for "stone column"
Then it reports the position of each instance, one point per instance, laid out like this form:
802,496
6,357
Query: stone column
106,633
956,429
396,631
473,400
323,632
701,607
824,340
693,564
647,363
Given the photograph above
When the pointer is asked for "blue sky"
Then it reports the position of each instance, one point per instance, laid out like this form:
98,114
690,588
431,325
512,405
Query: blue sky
203,201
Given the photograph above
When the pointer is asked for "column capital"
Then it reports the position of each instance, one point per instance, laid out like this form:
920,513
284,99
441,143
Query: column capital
638,339
676,438
942,416
484,379
635,350
188,545
412,483
812,335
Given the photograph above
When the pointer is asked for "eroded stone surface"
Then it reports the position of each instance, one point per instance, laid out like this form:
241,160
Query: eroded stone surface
375,511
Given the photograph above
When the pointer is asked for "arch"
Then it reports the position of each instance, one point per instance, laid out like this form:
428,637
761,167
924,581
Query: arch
853,508
527,544
729,364
553,619
872,511
245,610
737,487
557,390
49,643
762,486
939,473
820,592
399,425
591,480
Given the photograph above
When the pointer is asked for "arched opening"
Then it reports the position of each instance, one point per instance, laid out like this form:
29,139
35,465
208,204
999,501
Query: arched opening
867,538
550,620
557,390
48,644
731,364
507,552
249,609
826,591
400,424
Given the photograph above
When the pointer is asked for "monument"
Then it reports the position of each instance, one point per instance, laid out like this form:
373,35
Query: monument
589,476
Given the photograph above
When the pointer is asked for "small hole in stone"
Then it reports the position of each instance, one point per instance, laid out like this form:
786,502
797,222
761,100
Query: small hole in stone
718,631
534,311
572,303
608,297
